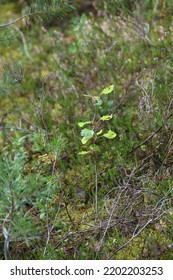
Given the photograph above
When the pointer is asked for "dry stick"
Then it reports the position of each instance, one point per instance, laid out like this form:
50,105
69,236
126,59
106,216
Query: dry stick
96,189
47,223
18,19
166,151
49,228
168,147
133,236
107,227
151,135
68,214
14,21
6,233
115,205
24,43
94,229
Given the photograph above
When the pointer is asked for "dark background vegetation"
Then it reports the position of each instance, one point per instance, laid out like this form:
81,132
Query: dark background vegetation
50,75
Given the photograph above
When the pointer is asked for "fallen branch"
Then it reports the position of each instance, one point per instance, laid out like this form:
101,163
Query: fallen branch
136,233
151,135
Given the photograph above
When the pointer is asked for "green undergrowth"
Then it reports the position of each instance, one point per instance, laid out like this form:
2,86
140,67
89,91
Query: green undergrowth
86,133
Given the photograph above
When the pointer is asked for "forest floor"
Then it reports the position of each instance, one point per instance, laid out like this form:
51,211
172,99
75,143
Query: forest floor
86,139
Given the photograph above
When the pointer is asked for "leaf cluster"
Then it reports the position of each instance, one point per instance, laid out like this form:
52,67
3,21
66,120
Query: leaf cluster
96,131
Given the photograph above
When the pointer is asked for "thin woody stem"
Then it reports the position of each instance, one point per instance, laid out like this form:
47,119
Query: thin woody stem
96,188
151,135
16,20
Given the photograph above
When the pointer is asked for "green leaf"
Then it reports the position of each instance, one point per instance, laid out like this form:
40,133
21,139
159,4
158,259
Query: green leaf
86,134
110,134
81,124
99,132
108,90
83,153
84,140
106,118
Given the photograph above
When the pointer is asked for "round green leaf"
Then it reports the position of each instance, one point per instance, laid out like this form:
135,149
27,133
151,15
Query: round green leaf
86,134
110,134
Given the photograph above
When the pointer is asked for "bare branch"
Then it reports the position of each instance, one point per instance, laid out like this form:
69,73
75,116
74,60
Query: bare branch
151,135
16,20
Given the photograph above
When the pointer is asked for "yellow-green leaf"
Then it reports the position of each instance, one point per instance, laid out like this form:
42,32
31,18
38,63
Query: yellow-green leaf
110,134
83,153
81,124
108,90
106,118
84,140
99,132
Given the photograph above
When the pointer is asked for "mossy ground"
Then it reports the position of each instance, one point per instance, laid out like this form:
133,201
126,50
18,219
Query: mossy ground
44,91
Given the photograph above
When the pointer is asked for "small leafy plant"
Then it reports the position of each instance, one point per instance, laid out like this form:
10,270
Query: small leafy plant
94,132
